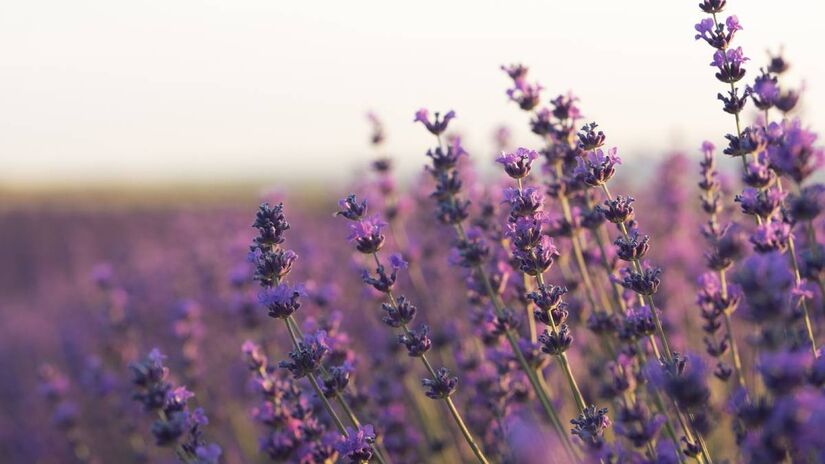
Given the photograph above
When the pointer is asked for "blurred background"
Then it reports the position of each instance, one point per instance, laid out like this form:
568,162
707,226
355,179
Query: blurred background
190,92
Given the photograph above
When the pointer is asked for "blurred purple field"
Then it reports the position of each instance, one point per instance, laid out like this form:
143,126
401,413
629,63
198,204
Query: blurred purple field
546,304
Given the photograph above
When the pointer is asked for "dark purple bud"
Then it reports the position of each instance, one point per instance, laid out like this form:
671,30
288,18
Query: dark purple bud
402,313
539,259
712,6
356,448
733,103
729,63
271,265
417,341
443,385
366,234
556,343
305,359
748,142
438,125
351,208
590,425
618,210
645,282
337,380
632,247
589,139
597,167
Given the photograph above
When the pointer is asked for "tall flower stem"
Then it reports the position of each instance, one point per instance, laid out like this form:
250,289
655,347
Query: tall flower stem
648,298
532,376
798,280
734,347
479,454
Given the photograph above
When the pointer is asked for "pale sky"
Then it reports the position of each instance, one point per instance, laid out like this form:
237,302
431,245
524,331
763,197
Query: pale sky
143,91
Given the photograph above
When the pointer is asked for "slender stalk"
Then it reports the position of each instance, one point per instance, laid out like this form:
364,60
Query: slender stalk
456,416
798,280
734,348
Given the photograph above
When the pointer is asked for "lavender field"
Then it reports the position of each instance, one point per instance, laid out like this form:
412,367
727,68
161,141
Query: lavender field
550,300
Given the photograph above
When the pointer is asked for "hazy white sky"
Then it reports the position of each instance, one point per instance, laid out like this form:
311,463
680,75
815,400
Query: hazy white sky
132,91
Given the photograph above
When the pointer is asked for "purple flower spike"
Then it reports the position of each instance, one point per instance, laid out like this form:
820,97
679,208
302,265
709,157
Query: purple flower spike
598,167
443,385
438,125
729,63
517,164
351,208
712,6
417,342
590,425
282,301
306,358
366,234
357,447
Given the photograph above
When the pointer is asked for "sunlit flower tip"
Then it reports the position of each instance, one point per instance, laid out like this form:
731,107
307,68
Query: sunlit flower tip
590,425
597,167
556,343
306,358
589,138
366,234
399,314
525,232
397,261
438,125
351,208
639,321
417,342
518,163
443,385
283,300
712,6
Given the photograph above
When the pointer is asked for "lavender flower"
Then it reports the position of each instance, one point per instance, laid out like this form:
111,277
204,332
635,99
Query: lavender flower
517,164
438,125
443,385
306,358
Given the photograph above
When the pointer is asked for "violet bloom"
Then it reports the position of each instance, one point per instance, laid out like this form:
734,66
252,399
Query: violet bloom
712,6
271,265
367,234
523,202
305,359
539,259
357,446
771,236
762,203
271,224
766,282
597,167
618,210
590,425
282,301
400,314
729,65
749,141
517,72
645,282
443,385
417,342
718,36
351,208
795,153
765,91
589,139
556,343
632,247
783,371
527,96
517,164
438,125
